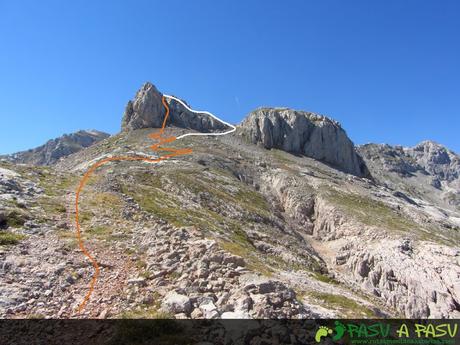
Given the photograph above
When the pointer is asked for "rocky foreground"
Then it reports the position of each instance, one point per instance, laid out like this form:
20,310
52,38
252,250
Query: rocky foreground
262,223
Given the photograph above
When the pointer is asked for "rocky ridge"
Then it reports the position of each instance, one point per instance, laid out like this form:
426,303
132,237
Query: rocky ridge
146,110
304,133
232,230
55,149
427,169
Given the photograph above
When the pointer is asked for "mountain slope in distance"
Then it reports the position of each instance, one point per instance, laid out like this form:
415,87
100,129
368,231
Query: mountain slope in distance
55,149
236,229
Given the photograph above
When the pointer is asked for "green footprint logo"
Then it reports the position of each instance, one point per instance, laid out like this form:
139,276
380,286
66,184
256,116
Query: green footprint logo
323,331
339,331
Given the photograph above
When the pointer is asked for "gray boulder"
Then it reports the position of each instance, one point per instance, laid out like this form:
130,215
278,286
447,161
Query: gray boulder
304,133
176,303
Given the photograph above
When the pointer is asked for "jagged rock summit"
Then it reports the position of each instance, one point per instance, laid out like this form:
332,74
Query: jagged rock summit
147,111
293,131
55,149
428,157
304,133
234,230
427,166
437,160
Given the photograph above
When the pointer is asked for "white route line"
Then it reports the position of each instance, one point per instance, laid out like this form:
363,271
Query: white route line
233,128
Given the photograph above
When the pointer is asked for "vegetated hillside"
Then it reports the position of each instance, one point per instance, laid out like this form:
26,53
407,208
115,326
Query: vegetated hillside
232,230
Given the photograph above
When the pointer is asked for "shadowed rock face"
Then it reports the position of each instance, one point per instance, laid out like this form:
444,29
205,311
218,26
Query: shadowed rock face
304,133
58,148
147,111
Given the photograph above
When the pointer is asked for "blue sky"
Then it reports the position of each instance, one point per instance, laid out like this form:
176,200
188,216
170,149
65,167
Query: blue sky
389,71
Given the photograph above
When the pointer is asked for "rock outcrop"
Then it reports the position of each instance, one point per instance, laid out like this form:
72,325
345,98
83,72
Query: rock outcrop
304,133
436,160
58,148
146,110
398,271
427,157
234,230
420,279
429,168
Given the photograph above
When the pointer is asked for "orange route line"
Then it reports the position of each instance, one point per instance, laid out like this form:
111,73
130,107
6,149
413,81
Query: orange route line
156,147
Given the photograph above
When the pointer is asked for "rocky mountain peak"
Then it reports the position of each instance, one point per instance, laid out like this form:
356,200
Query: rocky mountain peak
245,232
427,168
146,110
436,159
433,153
57,148
305,133
428,157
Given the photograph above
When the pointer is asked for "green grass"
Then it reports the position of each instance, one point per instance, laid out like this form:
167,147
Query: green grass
215,193
324,278
370,212
348,307
149,179
239,245
9,238
165,207
150,195
14,203
226,177
105,200
16,217
56,185
375,213
85,216
52,205
104,233
173,276
253,201
99,231
151,311
252,261
69,239
146,274
141,264
281,156
245,198
278,262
